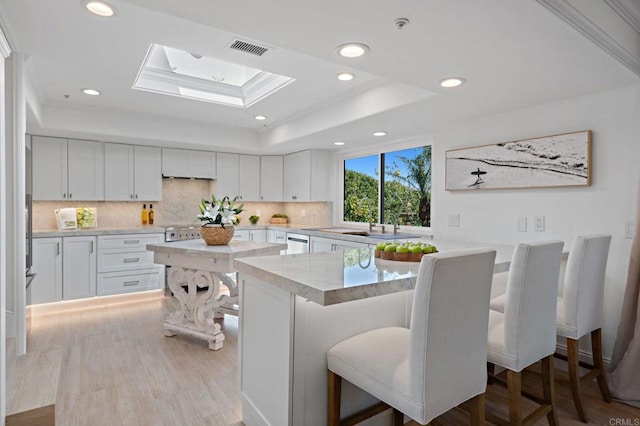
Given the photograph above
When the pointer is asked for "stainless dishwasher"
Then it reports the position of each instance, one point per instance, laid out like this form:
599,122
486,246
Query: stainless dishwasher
297,243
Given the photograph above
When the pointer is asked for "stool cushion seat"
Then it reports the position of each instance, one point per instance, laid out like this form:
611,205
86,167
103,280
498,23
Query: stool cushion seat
385,375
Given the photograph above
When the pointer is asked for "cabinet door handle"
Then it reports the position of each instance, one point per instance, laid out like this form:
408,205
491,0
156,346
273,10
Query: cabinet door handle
91,247
136,196
57,249
132,260
70,195
131,241
64,195
130,283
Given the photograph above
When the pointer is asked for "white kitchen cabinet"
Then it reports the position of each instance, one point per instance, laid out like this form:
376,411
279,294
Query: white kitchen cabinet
67,169
147,171
125,265
240,235
86,170
46,287
271,177
321,244
118,172
279,237
248,178
306,176
188,163
49,157
258,235
227,175
132,173
78,267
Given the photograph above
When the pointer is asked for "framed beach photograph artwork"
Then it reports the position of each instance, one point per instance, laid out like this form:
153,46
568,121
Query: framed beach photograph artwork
549,161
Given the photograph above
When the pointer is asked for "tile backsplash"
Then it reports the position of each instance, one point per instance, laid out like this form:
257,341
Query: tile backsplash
179,205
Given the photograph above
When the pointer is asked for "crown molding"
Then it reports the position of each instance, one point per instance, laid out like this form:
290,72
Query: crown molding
5,48
568,13
629,14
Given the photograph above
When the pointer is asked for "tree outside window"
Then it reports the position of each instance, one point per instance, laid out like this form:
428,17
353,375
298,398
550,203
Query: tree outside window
405,198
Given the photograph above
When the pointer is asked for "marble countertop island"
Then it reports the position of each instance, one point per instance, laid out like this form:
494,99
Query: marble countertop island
343,276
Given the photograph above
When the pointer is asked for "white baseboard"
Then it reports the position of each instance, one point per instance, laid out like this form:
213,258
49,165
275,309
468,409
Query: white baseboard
584,356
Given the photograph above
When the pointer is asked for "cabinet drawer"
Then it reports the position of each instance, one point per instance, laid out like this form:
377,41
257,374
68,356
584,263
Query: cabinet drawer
124,261
130,282
130,242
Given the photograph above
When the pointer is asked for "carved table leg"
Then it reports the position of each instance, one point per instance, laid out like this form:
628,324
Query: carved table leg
195,317
226,303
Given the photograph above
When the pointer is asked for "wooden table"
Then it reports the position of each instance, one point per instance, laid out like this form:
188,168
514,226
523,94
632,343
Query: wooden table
195,265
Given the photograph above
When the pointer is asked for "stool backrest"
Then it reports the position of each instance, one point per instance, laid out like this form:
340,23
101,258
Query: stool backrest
531,300
449,322
584,282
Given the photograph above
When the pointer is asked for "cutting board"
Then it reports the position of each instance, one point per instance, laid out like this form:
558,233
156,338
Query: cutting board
344,231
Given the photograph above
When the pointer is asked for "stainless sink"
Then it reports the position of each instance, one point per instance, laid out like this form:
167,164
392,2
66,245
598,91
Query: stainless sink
392,236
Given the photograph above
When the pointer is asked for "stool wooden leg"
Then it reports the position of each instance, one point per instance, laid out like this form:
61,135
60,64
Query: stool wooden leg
398,418
514,387
333,402
491,370
596,350
548,389
574,377
477,410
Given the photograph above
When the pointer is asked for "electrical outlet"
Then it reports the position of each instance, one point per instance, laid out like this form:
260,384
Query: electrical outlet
522,224
629,229
539,223
258,212
454,220
303,213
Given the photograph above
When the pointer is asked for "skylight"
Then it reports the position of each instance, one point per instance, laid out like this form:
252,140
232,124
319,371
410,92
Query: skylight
175,72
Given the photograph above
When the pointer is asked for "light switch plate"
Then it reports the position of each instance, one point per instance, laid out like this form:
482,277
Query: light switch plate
454,220
304,213
629,230
539,223
522,224
258,212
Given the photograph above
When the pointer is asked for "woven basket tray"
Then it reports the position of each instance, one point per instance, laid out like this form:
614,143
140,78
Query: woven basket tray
278,220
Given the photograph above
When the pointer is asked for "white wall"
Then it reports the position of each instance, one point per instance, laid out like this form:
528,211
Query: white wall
604,207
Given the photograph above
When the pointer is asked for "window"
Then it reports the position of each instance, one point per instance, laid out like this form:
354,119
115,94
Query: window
402,194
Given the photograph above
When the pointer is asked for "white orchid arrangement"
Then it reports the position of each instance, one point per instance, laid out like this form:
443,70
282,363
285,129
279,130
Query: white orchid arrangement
219,212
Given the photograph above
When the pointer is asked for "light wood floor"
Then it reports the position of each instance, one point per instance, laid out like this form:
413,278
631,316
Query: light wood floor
117,368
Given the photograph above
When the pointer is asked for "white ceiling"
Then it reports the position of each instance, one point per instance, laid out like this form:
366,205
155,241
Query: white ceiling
513,54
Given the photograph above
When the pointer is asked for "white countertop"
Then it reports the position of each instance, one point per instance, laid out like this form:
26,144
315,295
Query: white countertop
224,252
337,277
150,229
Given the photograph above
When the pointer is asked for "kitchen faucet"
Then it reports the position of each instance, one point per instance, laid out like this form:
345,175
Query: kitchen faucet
372,225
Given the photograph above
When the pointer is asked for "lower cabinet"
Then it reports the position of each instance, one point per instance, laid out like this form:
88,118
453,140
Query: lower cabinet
320,244
46,287
125,265
253,235
78,267
70,268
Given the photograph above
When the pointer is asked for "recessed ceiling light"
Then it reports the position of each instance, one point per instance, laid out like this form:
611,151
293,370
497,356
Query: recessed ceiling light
352,50
379,133
452,82
260,117
338,143
346,76
99,8
92,92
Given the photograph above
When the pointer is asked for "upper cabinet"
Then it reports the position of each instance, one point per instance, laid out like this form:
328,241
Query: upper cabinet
132,172
67,169
306,176
188,163
227,170
271,179
249,178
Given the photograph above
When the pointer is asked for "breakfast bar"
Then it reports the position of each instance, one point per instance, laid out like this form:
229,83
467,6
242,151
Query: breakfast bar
295,307
196,265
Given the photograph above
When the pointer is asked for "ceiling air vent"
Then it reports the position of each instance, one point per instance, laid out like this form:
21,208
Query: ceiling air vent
245,46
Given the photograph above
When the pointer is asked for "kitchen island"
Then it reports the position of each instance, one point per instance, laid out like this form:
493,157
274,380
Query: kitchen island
295,307
195,265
